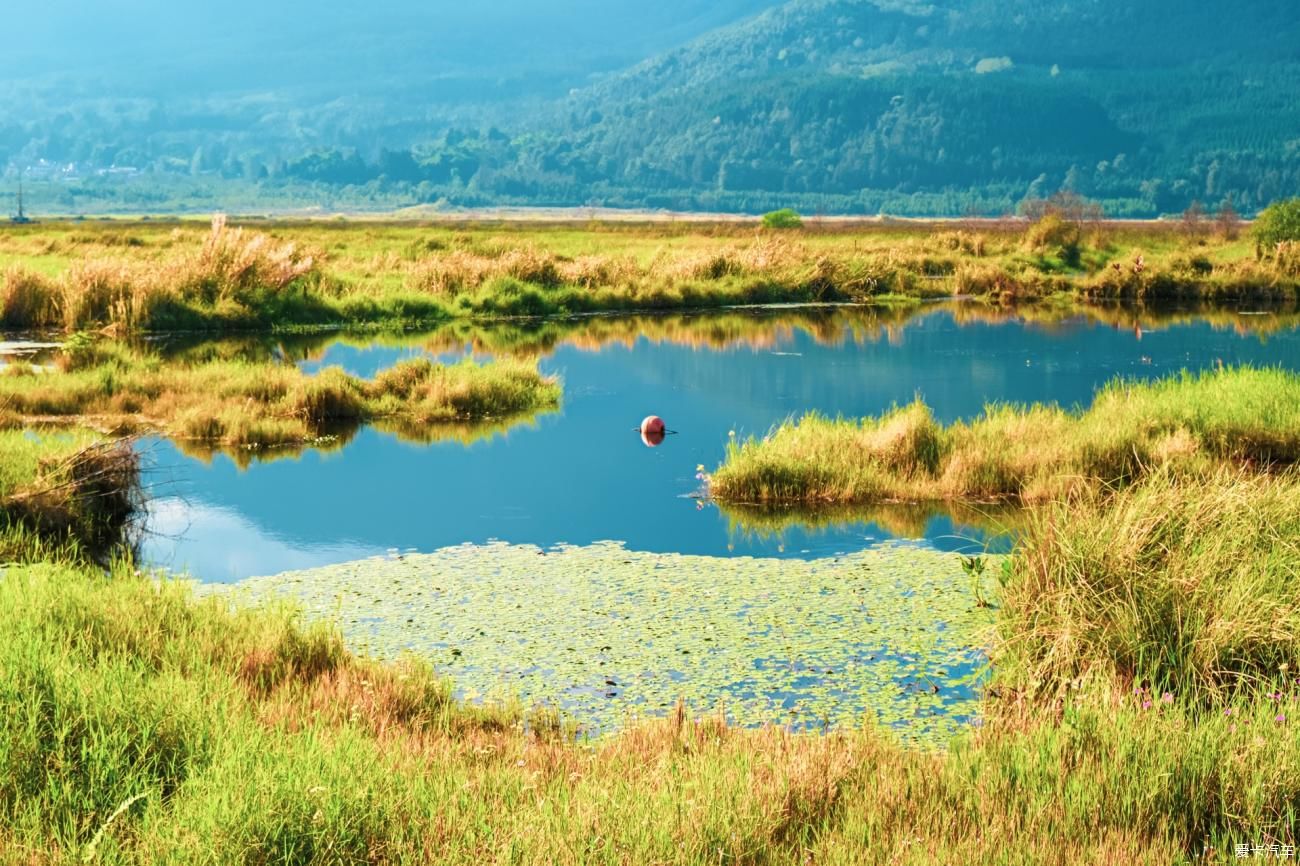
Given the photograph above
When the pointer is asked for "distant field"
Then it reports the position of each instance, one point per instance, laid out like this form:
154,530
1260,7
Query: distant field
565,216
262,274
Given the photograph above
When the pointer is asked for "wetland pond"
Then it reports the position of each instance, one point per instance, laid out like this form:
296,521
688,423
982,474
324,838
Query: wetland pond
562,561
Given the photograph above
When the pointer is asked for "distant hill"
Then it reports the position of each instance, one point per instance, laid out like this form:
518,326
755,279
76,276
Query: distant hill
852,106
1145,105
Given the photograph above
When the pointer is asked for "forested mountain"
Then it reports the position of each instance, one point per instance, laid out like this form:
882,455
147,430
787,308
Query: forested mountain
828,105
960,104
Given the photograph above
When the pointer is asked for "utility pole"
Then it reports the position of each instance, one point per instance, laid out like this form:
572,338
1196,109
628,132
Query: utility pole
21,216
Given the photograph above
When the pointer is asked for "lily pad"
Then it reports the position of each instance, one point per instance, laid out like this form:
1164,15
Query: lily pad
891,635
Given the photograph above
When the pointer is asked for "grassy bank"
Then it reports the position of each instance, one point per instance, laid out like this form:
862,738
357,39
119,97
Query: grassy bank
141,726
1027,454
168,276
241,404
1184,583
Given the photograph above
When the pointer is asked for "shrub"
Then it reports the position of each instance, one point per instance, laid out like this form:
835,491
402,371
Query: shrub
786,218
1279,222
1055,235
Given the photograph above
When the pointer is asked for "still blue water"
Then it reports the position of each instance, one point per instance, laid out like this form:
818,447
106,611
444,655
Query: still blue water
582,474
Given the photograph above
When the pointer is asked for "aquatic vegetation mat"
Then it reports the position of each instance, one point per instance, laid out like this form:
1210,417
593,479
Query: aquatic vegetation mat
892,635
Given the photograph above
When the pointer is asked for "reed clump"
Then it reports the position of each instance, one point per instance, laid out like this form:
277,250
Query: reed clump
1244,416
767,270
28,300
235,402
1197,277
1184,583
1286,259
969,242
68,488
238,266
100,292
234,279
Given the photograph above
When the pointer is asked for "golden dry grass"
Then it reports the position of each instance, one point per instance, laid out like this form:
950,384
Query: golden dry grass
154,277
1023,454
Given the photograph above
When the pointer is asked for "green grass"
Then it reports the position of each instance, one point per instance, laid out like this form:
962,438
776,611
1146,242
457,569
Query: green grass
142,726
269,275
1184,583
64,495
24,452
1018,453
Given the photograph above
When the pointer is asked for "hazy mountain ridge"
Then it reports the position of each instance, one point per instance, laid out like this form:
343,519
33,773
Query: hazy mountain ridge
287,45
837,105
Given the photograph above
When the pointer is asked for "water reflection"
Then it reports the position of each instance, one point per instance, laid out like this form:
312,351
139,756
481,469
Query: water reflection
949,526
36,351
582,474
339,436
755,329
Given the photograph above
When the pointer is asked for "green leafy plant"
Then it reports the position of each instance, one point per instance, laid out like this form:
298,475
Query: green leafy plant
786,218
1279,222
974,568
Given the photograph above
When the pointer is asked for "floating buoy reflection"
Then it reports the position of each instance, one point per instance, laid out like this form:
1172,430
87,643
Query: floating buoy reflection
653,430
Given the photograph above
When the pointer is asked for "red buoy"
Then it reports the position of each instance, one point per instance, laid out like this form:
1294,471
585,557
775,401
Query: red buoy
652,431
